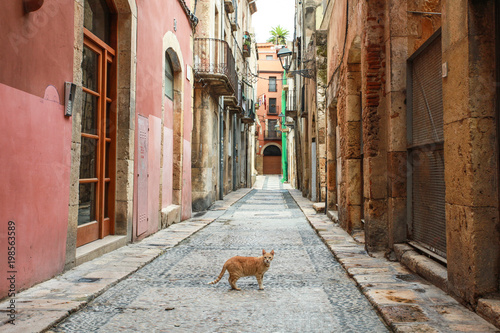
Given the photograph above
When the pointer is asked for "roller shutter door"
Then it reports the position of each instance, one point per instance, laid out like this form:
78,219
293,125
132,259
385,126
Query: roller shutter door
426,187
272,165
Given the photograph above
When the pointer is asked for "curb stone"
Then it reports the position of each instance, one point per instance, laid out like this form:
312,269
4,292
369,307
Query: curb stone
405,301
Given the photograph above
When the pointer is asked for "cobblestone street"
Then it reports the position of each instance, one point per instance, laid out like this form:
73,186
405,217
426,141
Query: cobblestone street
306,289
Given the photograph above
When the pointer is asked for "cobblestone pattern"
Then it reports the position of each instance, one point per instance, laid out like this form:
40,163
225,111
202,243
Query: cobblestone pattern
40,307
306,289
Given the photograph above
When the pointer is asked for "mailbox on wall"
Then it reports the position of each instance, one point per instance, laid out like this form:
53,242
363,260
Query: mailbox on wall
69,98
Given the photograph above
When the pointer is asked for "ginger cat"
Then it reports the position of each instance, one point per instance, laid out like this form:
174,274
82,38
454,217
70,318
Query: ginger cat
246,266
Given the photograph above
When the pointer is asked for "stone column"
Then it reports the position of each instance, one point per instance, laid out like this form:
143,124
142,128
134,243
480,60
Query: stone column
397,45
201,162
470,148
331,142
373,57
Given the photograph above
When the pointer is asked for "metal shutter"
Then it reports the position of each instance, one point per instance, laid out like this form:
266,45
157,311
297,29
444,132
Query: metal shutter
426,195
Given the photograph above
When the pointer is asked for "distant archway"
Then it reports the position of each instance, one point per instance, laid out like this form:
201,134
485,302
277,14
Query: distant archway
272,160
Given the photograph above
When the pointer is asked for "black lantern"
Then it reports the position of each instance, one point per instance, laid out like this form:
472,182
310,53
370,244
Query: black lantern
285,56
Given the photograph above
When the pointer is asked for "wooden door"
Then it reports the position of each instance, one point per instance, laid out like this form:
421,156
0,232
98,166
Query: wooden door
98,141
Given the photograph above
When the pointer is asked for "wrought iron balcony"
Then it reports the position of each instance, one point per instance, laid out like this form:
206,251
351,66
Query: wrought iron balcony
249,112
291,104
214,64
272,134
235,102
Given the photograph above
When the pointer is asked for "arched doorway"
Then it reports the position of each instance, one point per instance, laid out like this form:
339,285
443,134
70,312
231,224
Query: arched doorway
272,160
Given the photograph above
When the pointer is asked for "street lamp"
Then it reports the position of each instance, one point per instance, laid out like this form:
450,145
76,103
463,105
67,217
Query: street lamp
285,57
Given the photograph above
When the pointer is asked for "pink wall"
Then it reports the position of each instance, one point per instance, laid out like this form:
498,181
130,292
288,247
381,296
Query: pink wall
168,153
155,19
38,47
34,184
35,142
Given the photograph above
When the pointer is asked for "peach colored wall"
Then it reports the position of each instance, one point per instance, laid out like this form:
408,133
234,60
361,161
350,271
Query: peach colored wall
34,184
268,68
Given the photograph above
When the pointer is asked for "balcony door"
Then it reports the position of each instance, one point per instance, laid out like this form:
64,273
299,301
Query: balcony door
98,125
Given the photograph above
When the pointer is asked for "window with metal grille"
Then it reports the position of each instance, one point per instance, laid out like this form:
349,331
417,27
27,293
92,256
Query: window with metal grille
272,84
272,106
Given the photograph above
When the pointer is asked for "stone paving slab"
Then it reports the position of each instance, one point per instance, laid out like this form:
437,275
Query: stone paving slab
41,306
407,302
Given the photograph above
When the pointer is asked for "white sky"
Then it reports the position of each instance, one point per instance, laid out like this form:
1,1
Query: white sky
271,13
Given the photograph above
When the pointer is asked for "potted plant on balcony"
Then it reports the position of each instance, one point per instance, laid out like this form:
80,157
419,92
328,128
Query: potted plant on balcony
246,47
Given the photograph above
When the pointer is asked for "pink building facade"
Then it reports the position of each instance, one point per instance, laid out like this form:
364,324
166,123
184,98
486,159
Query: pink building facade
114,166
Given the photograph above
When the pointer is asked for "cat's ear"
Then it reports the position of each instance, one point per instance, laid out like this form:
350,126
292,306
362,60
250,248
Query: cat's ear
272,252
263,251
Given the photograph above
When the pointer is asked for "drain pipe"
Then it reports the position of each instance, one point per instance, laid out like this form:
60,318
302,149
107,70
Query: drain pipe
234,159
221,149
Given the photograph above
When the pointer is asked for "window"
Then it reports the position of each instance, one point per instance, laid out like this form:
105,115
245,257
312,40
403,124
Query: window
169,78
272,84
272,132
272,106
269,57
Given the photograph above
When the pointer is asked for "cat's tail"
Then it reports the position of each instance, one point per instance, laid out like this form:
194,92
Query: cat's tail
220,275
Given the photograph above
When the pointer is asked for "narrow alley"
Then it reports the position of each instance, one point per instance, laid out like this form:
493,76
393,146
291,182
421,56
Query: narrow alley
306,289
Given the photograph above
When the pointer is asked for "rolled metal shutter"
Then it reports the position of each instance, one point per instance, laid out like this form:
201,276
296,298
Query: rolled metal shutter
426,195
272,165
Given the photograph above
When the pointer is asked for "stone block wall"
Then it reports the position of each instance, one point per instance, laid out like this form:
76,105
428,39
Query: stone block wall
375,162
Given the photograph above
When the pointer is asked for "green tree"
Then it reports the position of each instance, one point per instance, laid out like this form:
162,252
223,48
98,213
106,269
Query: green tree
278,35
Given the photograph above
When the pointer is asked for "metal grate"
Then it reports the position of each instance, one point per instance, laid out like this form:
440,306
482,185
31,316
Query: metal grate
428,191
427,221
427,96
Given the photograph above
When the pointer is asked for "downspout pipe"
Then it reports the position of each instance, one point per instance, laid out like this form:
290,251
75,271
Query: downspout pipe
221,149
284,157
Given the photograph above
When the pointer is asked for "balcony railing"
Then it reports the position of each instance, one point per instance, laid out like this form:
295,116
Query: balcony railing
272,134
214,61
291,102
273,110
249,112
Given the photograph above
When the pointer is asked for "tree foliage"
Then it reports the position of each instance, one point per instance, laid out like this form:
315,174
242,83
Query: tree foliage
278,35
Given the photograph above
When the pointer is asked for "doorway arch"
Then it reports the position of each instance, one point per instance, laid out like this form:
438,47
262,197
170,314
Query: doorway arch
272,159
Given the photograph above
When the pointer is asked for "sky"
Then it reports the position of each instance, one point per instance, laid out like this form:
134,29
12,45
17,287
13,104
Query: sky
271,13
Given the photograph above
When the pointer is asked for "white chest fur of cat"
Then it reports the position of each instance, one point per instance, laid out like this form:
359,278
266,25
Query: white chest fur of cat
246,266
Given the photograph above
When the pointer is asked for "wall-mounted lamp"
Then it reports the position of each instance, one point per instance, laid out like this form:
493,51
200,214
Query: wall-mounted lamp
32,5
285,57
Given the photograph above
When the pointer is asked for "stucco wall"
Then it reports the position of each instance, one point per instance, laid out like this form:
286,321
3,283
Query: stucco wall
156,34
35,164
